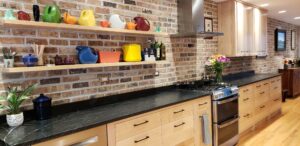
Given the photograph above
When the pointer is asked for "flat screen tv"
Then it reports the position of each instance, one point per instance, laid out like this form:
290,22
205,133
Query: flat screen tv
280,40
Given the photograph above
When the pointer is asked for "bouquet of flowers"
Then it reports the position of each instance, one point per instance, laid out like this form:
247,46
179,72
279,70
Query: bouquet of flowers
218,63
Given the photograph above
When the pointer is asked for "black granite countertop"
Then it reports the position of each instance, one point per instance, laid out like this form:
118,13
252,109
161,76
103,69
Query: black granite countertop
33,131
252,78
36,131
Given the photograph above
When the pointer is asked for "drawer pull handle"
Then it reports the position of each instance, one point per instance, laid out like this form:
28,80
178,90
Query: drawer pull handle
135,125
258,86
89,141
179,111
137,141
276,99
246,115
275,87
266,83
202,103
246,90
262,93
246,99
179,125
262,107
272,81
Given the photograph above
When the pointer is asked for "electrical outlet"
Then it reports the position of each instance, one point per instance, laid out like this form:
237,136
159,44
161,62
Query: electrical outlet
157,73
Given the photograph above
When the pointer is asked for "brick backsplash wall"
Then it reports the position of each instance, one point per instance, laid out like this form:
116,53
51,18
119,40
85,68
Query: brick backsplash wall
185,56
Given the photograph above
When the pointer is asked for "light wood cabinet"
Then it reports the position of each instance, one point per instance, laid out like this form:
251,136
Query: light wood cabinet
178,125
92,137
258,101
244,27
246,108
201,107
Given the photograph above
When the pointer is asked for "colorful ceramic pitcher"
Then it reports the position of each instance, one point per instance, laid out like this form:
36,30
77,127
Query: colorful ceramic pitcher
52,14
87,18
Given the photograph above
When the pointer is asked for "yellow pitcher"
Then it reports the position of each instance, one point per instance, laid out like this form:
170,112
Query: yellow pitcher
87,18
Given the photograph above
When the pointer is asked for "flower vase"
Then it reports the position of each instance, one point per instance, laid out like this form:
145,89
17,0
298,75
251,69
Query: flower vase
219,77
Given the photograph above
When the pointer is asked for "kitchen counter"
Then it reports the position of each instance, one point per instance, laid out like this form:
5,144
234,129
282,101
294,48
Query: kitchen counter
249,79
36,131
32,131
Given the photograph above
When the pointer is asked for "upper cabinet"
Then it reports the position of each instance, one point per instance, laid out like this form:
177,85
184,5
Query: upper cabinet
244,27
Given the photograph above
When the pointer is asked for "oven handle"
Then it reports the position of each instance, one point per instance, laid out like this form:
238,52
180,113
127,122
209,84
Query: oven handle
228,100
228,123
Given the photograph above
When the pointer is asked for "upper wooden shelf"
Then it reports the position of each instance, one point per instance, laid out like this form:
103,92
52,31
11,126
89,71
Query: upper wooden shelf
76,66
62,26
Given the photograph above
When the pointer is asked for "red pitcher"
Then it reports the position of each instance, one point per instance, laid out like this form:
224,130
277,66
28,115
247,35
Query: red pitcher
142,24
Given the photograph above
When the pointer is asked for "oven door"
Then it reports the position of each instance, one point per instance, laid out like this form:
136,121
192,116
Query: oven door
226,134
226,109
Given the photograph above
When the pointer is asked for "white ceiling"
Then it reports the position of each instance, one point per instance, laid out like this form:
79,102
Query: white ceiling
291,6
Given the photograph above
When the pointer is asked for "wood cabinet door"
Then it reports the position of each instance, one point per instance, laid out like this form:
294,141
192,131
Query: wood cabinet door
244,30
259,32
201,107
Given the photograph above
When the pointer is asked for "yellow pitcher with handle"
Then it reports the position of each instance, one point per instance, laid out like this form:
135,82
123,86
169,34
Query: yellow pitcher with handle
87,18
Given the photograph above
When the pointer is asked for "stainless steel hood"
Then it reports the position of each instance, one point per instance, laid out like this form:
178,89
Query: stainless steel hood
191,19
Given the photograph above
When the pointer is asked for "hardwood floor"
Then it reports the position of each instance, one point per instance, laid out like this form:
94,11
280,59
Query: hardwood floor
283,130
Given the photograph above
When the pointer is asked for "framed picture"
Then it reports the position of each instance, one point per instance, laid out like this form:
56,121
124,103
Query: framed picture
280,40
293,40
208,24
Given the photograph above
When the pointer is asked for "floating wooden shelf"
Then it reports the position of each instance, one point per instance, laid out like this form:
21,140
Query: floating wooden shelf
76,66
62,26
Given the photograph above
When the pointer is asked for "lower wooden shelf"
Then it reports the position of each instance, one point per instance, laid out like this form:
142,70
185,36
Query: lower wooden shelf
76,66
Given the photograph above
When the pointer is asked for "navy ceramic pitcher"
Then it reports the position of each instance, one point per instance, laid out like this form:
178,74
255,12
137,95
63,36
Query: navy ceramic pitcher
86,55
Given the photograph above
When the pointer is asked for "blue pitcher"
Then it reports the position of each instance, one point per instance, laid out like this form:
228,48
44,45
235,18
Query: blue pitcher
86,55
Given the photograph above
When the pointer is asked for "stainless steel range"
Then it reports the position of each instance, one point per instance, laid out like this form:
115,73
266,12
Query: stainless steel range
224,109
225,116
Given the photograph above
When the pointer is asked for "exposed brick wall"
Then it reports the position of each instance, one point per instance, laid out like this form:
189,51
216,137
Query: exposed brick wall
185,56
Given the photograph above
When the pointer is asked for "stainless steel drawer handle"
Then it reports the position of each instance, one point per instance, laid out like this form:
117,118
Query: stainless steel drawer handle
201,104
135,125
246,99
228,100
179,125
137,141
228,123
86,142
179,111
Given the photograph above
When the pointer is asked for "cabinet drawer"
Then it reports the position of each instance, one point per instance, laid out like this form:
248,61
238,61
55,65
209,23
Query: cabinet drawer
261,112
136,126
149,138
261,96
202,104
246,121
177,112
92,137
177,132
275,105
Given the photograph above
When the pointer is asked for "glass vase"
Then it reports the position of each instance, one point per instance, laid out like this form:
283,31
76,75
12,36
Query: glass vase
219,77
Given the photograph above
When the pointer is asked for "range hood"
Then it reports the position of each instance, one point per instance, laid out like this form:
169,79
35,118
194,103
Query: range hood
191,19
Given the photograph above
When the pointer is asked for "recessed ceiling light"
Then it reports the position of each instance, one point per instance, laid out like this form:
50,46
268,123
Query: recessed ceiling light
264,5
281,12
297,18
